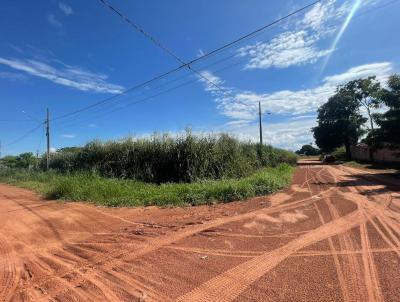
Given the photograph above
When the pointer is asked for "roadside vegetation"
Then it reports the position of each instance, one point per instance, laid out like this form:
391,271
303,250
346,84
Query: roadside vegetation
308,150
157,171
348,117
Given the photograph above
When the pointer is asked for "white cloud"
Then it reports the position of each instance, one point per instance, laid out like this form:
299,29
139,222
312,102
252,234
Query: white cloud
299,106
300,43
53,20
68,135
381,70
200,53
92,125
63,74
243,105
211,82
317,17
289,48
65,8
288,134
301,117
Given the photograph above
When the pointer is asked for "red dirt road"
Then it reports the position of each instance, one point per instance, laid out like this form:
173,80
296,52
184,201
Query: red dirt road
334,235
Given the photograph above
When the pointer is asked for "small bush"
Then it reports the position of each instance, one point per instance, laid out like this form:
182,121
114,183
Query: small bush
340,153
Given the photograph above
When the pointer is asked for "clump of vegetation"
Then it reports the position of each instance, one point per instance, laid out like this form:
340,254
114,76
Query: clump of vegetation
308,150
117,192
162,158
158,171
388,122
341,120
339,153
23,161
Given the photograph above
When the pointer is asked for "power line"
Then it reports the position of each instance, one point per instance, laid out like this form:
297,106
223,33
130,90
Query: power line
134,102
184,65
163,85
142,31
184,84
160,45
161,76
143,84
40,140
156,42
23,136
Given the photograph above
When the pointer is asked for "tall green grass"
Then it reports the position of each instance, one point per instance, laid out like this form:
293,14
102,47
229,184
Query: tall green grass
162,158
85,186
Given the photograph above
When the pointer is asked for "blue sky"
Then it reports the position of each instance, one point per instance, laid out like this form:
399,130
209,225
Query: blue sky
65,55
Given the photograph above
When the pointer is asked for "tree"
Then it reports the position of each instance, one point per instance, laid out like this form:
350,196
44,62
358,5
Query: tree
389,122
24,160
366,93
339,123
9,161
308,150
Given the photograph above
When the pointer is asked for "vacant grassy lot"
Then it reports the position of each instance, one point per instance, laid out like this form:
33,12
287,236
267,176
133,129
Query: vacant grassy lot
163,159
118,192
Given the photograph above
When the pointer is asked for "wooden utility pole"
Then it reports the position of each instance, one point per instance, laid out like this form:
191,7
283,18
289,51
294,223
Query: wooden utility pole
260,121
48,139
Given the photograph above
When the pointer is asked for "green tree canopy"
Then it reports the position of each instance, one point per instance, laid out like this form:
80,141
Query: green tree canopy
339,123
366,92
389,122
24,160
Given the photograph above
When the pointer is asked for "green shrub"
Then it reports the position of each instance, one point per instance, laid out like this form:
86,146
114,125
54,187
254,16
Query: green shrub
340,153
162,158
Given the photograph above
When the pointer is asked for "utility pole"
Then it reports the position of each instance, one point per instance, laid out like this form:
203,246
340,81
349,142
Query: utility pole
48,139
260,121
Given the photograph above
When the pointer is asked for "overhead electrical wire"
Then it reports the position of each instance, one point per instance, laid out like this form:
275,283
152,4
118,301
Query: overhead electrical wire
23,136
147,98
161,46
208,54
195,60
110,105
182,66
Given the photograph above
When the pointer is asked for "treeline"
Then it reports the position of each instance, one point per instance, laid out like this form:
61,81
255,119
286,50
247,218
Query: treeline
349,115
163,158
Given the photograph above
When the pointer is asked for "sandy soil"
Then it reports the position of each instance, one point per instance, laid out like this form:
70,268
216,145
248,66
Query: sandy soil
334,235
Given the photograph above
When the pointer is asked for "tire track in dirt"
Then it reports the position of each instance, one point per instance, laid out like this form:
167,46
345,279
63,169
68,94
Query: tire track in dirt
370,272
230,284
339,271
371,210
114,257
384,237
217,252
240,235
251,254
9,270
339,253
92,270
352,272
